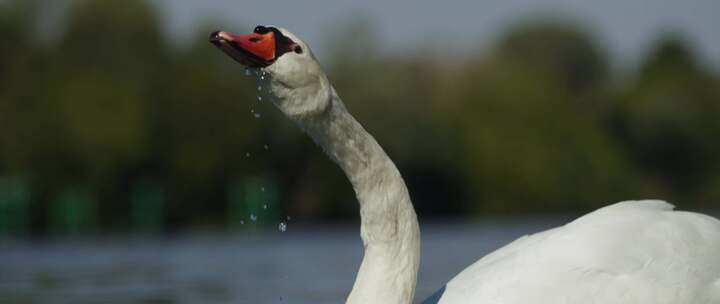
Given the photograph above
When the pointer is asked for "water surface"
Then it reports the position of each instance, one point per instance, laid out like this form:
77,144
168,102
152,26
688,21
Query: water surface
302,265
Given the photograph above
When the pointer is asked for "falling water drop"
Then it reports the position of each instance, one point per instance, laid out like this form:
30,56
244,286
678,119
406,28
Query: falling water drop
282,227
259,98
265,206
262,189
247,154
253,217
257,115
259,88
248,72
266,147
287,217
242,222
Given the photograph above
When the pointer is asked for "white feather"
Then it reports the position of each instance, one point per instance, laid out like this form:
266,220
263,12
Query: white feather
629,252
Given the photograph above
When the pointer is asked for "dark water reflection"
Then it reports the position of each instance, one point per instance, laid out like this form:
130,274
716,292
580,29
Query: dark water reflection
303,265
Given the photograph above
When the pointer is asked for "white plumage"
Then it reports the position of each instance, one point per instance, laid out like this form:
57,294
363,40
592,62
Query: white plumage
629,252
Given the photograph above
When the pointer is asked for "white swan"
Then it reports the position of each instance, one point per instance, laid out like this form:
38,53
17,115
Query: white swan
629,252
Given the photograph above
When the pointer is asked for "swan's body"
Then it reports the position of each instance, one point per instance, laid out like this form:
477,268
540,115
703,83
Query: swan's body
630,252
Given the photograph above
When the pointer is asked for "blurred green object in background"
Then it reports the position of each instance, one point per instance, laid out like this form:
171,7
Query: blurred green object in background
15,195
252,201
72,212
147,203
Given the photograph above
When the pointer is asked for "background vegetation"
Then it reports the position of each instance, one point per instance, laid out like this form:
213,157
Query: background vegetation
110,129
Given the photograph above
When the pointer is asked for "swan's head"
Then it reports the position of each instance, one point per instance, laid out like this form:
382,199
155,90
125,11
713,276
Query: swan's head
292,72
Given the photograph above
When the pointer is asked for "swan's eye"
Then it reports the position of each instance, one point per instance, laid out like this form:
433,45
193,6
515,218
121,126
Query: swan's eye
297,49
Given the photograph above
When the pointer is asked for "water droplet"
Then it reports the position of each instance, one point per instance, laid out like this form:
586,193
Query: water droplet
287,217
257,115
259,98
262,189
265,206
266,147
242,222
253,217
247,72
259,88
247,154
282,227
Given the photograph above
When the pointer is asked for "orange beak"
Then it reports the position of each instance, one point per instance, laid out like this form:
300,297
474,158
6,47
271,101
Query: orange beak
252,49
260,45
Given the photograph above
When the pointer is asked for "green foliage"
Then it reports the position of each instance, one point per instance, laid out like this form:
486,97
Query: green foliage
668,122
113,128
561,51
522,130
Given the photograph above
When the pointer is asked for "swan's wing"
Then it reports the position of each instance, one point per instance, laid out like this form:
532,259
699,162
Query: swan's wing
630,252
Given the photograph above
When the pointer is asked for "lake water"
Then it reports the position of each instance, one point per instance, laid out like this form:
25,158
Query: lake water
302,265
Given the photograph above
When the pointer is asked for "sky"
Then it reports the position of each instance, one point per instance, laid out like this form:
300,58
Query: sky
625,28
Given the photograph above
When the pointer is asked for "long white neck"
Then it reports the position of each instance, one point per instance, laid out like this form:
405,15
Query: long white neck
389,227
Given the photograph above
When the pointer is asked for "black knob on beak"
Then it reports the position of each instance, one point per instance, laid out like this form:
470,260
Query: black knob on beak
214,36
261,29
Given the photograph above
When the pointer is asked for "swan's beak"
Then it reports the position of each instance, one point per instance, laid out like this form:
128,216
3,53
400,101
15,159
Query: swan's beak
253,50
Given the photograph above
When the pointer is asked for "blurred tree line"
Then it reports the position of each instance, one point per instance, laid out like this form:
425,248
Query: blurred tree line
110,128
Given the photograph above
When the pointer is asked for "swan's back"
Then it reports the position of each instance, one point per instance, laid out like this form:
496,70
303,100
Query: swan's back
630,252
